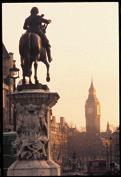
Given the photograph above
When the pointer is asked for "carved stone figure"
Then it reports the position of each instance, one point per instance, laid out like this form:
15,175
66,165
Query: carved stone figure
34,150
43,119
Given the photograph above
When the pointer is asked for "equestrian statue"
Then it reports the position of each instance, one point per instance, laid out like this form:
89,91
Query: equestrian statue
34,45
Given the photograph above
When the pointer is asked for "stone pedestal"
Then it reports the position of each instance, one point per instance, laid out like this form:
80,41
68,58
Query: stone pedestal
33,108
34,168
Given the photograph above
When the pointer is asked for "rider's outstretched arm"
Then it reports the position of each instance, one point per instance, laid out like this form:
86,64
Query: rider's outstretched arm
43,20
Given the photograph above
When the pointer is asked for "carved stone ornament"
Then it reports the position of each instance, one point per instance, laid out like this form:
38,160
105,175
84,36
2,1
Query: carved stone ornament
32,132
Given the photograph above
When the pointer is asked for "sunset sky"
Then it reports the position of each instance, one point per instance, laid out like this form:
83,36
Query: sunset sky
85,44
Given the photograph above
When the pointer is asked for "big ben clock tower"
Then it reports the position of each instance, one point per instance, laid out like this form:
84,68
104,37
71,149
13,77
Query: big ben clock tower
92,111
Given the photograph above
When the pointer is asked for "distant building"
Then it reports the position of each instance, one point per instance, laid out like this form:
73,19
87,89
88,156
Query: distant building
108,130
74,142
116,146
92,112
91,147
7,60
92,141
58,139
105,135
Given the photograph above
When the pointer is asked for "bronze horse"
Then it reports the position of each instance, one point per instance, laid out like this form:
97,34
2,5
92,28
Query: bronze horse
31,50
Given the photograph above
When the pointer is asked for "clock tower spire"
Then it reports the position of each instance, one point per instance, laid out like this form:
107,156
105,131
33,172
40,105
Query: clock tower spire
92,111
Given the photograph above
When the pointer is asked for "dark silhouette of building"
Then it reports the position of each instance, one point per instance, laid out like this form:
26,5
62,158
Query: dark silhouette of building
7,61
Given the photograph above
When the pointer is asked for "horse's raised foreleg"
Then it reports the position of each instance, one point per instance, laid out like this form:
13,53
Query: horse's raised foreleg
47,66
30,72
30,82
35,72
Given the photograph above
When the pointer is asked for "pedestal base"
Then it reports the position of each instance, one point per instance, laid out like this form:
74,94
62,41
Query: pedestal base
33,106
34,168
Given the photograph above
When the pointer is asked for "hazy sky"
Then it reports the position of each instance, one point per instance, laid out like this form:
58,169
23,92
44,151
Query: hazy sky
85,44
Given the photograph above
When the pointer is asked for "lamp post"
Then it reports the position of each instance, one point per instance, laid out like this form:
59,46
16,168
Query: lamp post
110,153
74,161
107,154
14,74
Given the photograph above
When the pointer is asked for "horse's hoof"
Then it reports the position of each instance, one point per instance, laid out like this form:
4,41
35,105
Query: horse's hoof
23,81
30,82
49,59
36,82
48,79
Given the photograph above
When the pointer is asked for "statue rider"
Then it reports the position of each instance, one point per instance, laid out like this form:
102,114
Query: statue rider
34,24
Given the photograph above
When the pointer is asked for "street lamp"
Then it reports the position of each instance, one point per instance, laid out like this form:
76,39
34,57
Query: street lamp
14,74
107,154
110,153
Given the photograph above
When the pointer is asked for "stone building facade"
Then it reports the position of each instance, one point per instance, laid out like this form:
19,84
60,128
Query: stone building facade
7,61
58,139
116,146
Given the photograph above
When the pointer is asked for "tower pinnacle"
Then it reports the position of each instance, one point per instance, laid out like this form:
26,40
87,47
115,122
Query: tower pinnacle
92,90
108,128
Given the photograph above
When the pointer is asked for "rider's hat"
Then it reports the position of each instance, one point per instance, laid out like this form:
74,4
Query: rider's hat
34,10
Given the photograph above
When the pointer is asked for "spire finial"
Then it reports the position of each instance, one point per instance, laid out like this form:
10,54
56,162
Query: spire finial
91,79
92,83
92,89
108,127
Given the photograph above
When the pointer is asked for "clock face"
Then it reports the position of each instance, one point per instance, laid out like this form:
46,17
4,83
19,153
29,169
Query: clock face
90,110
